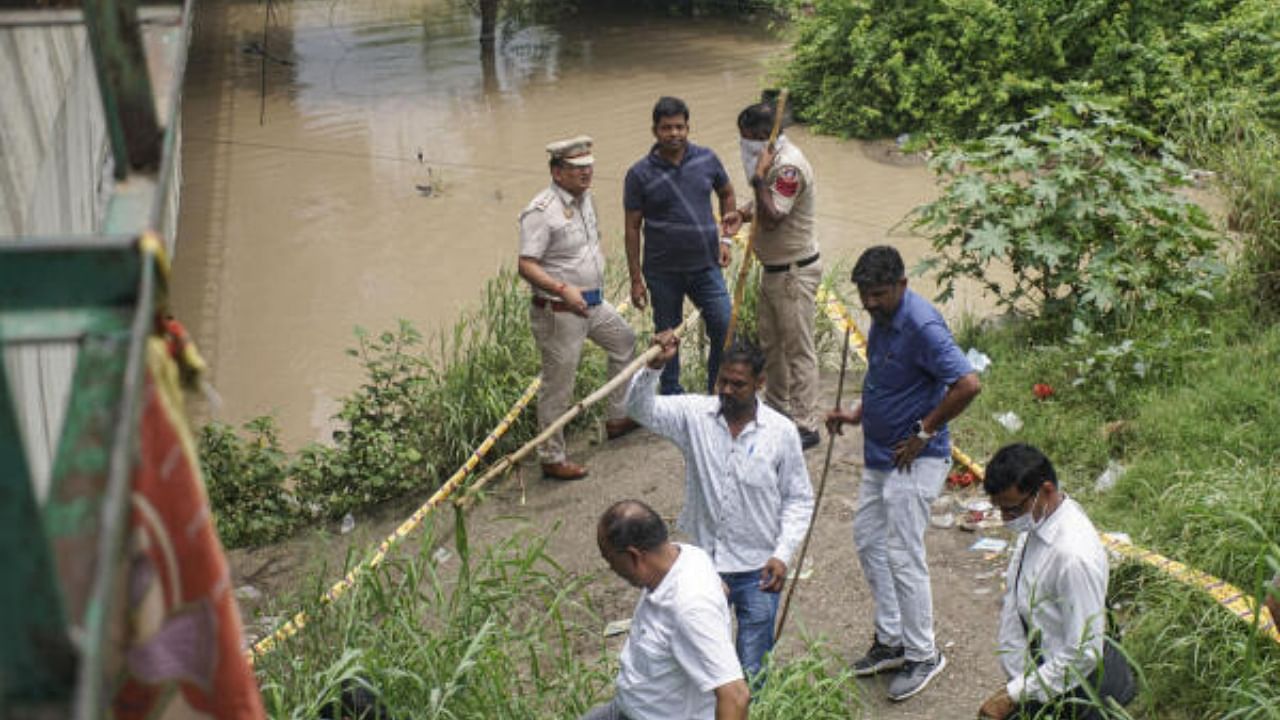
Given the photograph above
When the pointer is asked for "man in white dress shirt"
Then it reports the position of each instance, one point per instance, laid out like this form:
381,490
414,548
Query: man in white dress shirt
678,661
748,498
1053,623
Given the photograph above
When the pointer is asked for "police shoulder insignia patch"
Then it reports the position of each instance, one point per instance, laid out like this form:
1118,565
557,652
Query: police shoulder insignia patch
542,201
788,182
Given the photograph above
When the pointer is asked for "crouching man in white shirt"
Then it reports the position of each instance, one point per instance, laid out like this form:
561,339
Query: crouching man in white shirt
1053,647
678,661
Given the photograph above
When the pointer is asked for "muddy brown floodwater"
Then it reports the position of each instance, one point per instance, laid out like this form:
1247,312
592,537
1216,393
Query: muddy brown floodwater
301,216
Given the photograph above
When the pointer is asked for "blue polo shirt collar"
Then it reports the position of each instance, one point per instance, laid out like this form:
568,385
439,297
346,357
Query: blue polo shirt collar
656,158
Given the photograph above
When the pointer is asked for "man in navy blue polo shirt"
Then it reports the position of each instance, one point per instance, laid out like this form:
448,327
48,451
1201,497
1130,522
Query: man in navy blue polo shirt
667,194
917,380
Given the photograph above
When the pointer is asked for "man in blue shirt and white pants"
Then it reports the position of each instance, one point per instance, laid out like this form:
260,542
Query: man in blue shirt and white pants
917,380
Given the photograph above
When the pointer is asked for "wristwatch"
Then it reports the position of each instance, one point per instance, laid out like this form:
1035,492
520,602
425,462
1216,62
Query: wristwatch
917,429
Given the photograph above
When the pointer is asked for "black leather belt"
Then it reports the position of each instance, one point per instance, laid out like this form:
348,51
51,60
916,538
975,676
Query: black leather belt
787,266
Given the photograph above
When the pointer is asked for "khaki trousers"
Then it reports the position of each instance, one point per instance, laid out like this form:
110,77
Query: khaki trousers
559,336
787,318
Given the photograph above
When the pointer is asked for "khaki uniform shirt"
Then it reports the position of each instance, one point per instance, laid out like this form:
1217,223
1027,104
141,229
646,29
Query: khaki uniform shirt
790,181
561,233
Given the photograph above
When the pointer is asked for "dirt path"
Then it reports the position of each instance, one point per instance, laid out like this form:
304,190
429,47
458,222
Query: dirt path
833,604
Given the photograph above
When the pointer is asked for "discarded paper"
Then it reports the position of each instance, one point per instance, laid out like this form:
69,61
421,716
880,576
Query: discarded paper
989,544
1009,421
617,627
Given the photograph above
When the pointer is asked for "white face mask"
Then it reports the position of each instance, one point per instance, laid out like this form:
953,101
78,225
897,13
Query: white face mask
1026,522
1023,523
751,150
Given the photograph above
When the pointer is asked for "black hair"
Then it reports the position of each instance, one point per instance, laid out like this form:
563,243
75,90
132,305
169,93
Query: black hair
668,106
746,352
1018,465
877,266
633,524
757,118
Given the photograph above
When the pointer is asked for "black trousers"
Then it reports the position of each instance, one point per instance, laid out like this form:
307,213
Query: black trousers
1113,680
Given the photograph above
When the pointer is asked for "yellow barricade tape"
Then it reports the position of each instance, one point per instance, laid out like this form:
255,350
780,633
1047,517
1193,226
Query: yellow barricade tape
340,588
1237,602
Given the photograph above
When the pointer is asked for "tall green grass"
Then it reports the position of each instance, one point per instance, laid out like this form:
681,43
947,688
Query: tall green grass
1233,138
503,633
1194,427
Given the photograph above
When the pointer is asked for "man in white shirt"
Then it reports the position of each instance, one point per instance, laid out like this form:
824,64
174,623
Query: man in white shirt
748,498
678,661
1053,621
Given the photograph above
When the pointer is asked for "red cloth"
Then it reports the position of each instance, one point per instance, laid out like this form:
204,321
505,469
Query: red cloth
182,657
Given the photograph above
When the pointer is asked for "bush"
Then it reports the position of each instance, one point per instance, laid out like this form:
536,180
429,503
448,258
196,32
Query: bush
959,68
248,475
1233,138
1083,218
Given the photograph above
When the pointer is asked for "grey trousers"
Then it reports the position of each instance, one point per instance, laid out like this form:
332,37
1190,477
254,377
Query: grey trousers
888,533
560,336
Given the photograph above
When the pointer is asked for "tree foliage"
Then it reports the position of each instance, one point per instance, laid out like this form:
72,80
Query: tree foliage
959,68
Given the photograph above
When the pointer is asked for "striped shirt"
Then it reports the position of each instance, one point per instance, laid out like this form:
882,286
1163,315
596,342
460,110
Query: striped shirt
680,231
746,498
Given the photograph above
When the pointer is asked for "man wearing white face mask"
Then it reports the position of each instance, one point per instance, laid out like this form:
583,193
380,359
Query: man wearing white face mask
787,247
1052,633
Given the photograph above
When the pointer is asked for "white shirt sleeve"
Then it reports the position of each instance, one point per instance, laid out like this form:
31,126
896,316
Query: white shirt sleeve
797,499
1071,646
703,646
664,416
535,234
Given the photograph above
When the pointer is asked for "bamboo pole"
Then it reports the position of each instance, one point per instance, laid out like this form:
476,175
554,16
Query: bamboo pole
817,501
508,462
740,287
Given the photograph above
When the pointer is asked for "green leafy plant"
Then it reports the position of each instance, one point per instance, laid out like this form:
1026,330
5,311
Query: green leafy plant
1073,204
959,68
248,474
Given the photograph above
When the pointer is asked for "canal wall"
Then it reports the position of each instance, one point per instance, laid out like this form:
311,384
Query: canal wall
56,182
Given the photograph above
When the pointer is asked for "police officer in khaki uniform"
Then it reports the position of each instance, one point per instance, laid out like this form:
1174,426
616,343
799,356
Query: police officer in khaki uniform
787,247
560,257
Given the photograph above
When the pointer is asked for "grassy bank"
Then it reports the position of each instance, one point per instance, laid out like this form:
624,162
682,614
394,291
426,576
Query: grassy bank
503,633
1184,404
423,406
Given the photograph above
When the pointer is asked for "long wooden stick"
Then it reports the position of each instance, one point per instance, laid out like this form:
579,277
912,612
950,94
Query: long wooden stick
740,287
623,375
817,501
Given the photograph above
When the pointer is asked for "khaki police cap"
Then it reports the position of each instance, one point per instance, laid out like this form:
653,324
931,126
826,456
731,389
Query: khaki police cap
574,151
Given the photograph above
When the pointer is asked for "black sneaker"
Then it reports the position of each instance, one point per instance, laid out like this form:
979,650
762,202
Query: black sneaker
809,438
879,658
914,676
